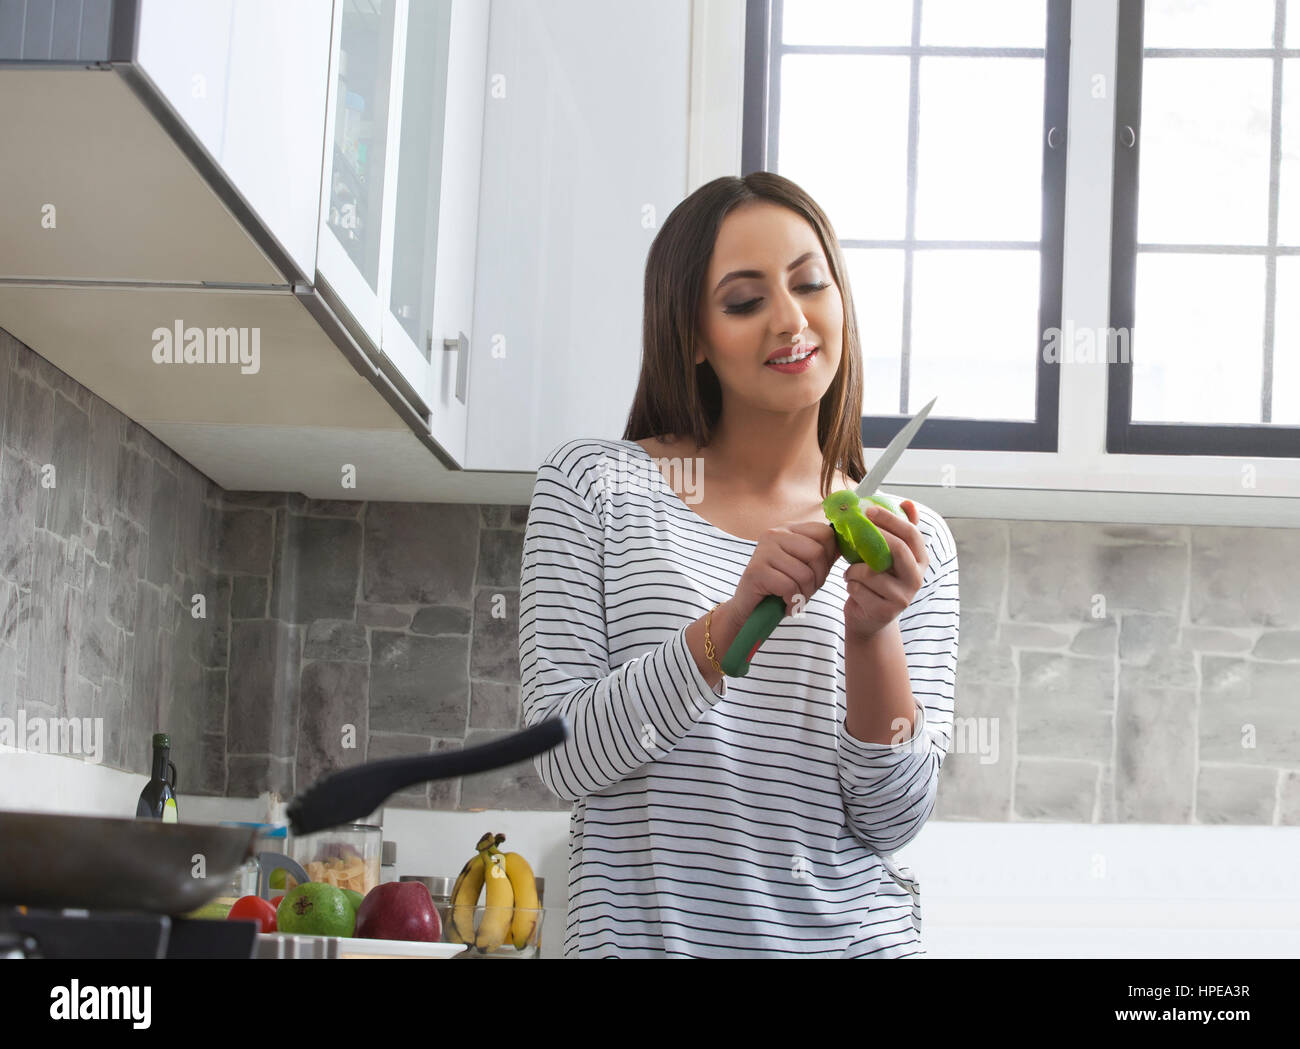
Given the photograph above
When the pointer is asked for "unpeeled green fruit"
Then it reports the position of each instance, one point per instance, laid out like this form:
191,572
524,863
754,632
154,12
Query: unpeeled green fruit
859,539
316,908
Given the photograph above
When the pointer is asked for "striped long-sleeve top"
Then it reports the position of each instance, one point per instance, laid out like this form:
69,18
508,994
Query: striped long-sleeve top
741,820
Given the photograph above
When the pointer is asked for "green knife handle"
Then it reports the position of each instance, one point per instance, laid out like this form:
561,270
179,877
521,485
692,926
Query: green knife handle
758,627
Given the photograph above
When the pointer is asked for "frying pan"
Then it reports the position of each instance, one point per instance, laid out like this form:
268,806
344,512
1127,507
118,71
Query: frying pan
104,863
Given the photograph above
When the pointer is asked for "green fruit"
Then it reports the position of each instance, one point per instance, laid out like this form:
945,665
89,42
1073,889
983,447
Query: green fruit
317,909
277,878
858,538
354,897
216,909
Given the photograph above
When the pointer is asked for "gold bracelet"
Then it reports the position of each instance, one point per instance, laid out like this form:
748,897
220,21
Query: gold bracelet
709,650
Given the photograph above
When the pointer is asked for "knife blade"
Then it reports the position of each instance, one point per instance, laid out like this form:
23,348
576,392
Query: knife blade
771,610
868,485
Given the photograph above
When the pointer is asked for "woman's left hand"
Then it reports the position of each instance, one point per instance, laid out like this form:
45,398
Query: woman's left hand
876,598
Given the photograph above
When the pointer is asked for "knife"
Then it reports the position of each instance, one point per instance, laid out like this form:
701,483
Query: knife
771,610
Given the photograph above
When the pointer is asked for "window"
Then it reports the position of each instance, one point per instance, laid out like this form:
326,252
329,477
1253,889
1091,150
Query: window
933,133
1206,240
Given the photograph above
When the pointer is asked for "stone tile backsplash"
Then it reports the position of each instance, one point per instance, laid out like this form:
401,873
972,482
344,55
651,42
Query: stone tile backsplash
1123,673
1137,673
105,535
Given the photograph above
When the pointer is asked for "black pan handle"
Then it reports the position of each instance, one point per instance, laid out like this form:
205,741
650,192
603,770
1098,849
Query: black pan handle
346,796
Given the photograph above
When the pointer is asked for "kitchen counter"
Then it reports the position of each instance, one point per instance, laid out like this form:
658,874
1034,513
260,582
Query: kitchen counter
1050,890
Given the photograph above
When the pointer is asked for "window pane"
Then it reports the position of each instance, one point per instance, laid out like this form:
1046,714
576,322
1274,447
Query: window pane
880,23
843,138
974,324
1288,214
979,149
1286,342
1292,29
1208,23
876,280
1203,158
984,23
1198,338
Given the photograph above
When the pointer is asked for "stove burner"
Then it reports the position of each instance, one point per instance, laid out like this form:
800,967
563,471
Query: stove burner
120,934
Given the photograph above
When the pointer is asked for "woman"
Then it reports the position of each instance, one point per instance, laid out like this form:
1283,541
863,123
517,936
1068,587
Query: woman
742,817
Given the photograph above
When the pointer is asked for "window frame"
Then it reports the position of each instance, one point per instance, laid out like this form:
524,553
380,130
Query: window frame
1081,480
1122,433
759,141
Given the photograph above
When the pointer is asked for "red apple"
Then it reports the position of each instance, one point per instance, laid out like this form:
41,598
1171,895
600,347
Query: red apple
398,910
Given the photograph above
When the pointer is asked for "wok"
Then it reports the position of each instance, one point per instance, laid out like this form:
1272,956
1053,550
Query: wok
104,863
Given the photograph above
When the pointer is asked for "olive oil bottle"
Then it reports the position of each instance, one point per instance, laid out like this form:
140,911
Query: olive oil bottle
158,799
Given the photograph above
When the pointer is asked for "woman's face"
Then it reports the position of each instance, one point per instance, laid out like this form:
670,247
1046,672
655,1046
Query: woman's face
748,318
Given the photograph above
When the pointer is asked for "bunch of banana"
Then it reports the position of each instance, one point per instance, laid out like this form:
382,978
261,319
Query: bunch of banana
511,904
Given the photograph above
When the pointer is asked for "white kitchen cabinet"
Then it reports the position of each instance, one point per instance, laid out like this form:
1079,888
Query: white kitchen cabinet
431,298
585,154
399,202
249,78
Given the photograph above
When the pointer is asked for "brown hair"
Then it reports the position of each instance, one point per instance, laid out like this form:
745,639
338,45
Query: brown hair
676,396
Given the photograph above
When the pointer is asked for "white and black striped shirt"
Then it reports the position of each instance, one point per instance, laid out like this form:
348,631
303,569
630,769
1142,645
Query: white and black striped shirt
715,823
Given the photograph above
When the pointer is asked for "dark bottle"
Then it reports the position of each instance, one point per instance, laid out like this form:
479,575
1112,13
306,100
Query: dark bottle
158,799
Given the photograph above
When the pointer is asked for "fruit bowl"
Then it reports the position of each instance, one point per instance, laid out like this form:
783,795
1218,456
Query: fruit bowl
492,916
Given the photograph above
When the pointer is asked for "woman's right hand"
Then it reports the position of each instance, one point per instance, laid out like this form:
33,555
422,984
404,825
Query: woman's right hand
791,561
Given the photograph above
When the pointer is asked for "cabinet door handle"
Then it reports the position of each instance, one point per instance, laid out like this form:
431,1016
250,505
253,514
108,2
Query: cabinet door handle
461,344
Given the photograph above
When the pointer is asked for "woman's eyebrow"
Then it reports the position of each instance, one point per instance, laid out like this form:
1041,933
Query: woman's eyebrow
737,274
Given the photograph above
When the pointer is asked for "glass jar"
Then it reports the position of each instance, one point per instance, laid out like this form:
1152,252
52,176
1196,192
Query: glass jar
347,856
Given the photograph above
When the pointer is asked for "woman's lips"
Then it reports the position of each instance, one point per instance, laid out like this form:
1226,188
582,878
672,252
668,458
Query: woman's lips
795,367
787,351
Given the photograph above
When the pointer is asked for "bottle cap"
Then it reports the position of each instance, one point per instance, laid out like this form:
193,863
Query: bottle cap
160,740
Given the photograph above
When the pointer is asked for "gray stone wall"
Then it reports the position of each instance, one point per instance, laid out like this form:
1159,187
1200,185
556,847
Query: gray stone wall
1126,673
105,536
372,630
1135,673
